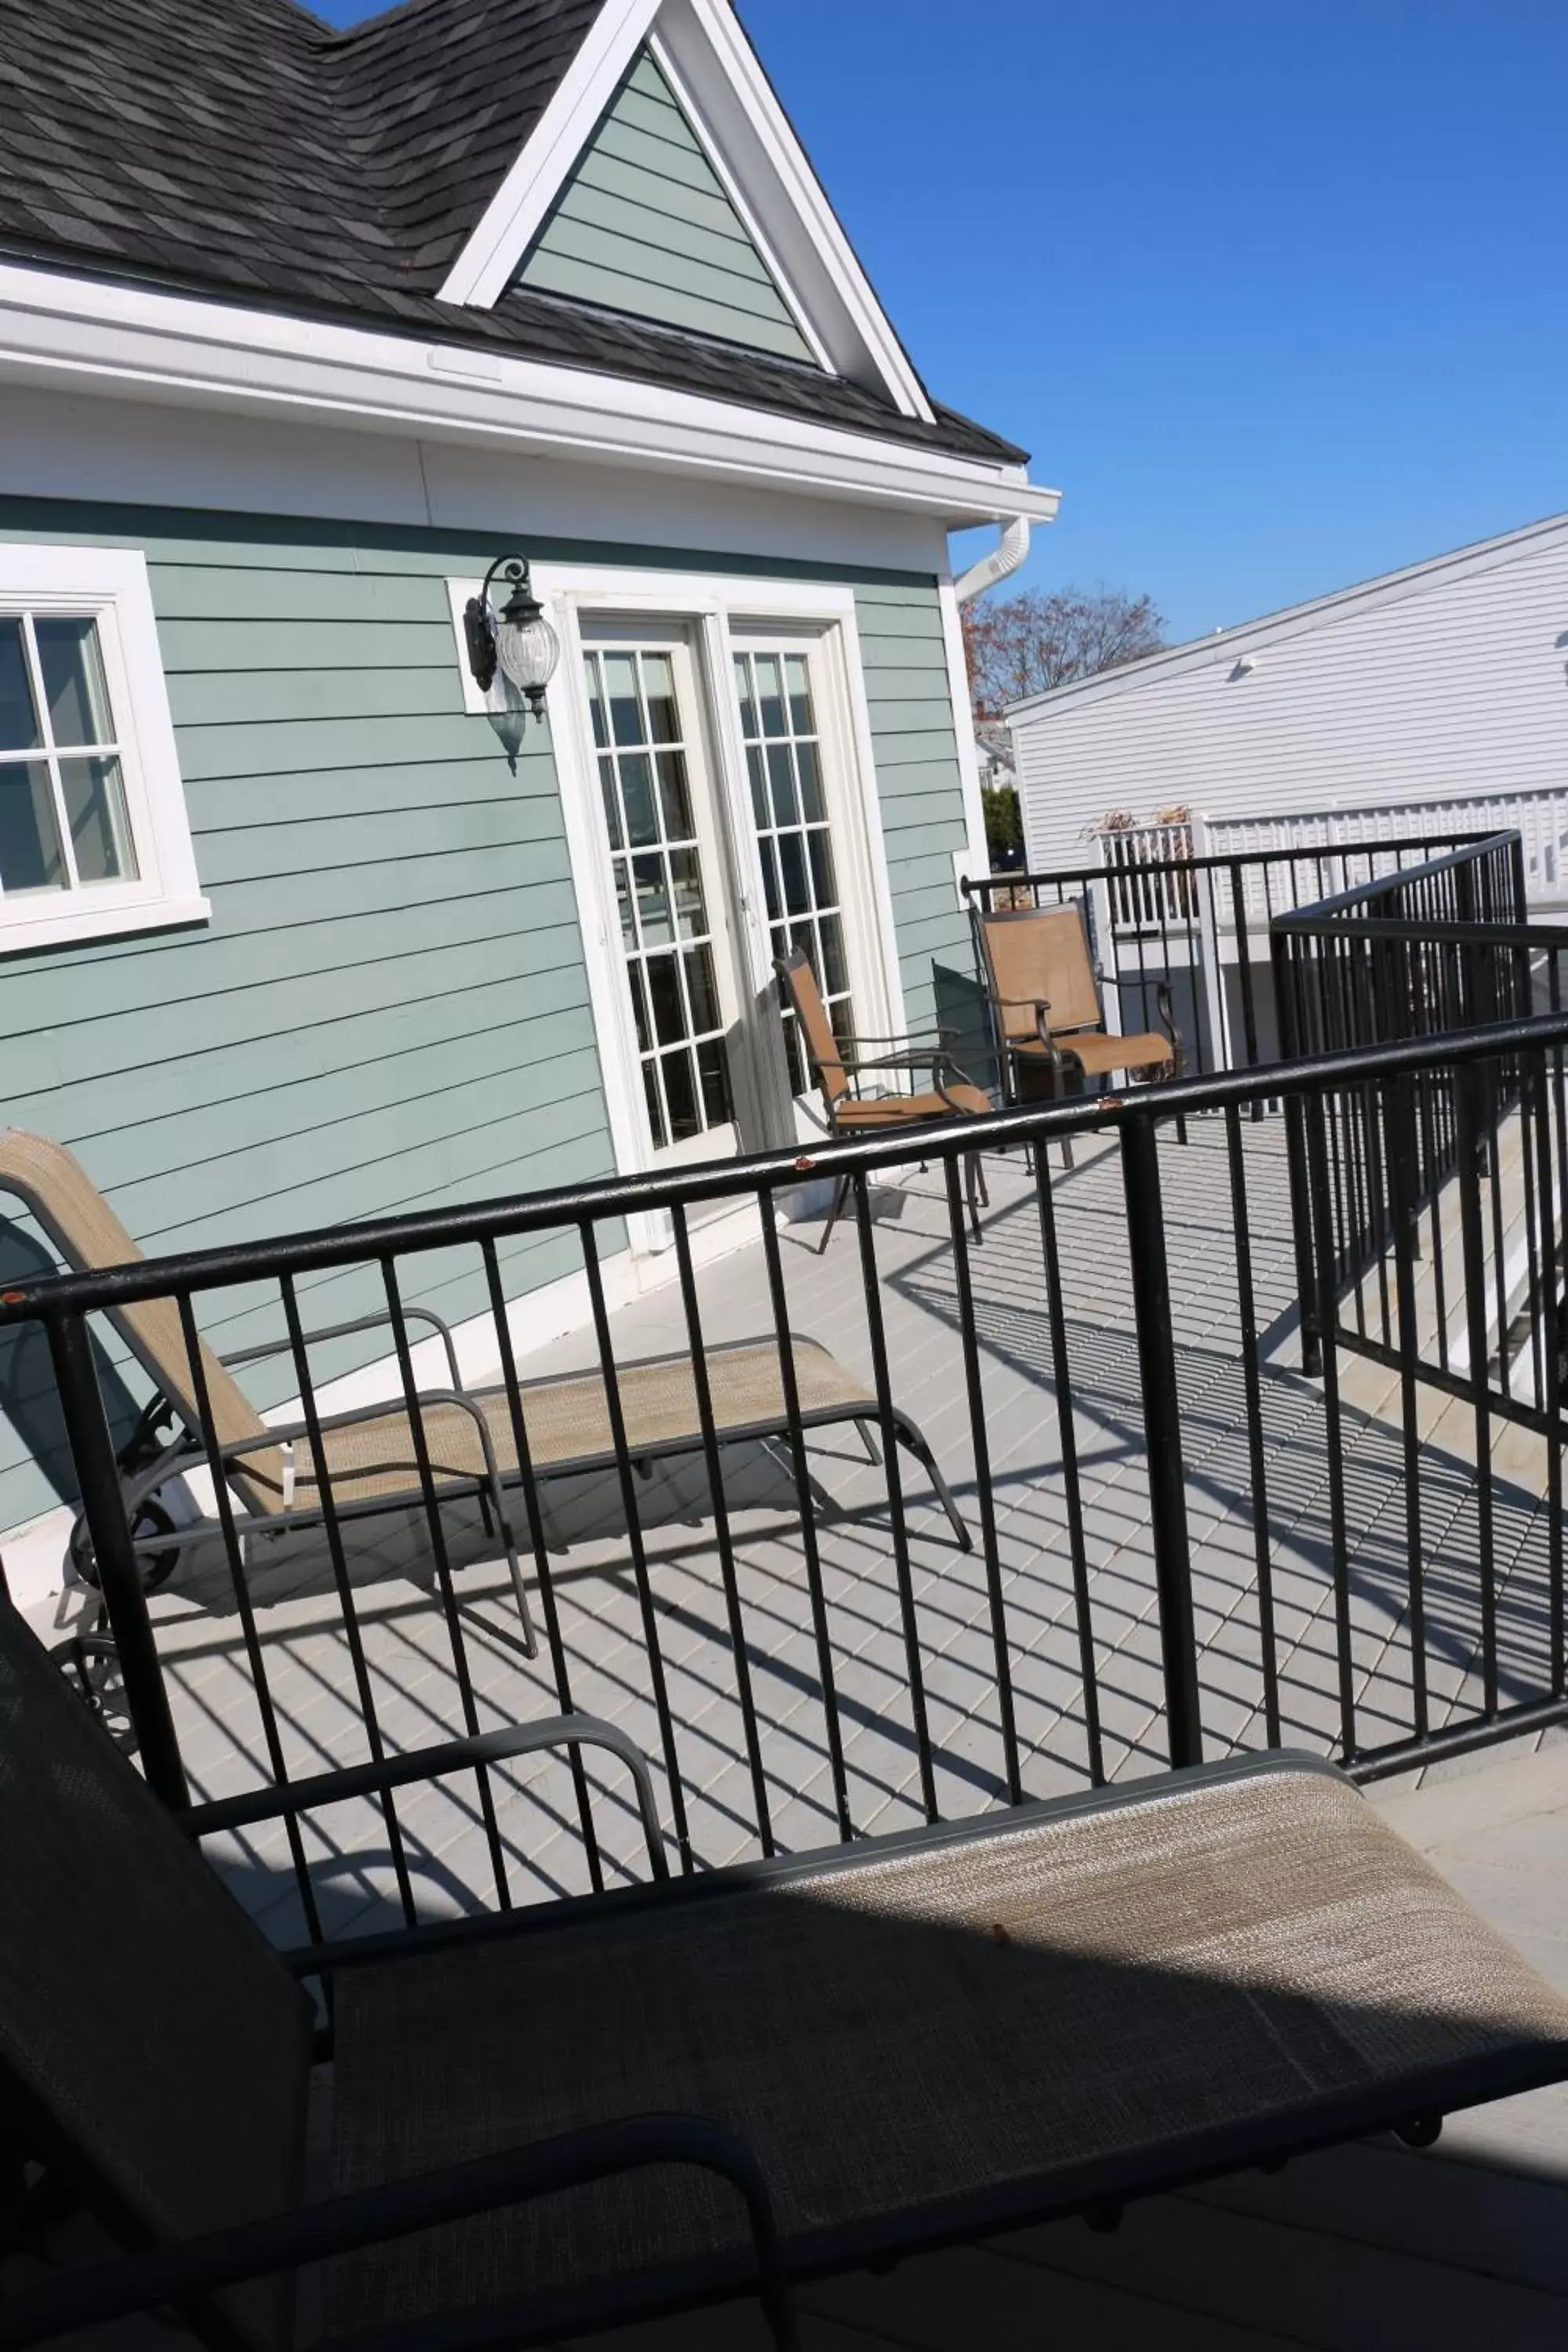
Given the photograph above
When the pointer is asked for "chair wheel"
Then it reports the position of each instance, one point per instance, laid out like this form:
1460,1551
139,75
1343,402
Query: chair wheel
1421,2131
156,1566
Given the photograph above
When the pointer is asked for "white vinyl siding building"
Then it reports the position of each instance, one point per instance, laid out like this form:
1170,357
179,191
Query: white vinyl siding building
1447,682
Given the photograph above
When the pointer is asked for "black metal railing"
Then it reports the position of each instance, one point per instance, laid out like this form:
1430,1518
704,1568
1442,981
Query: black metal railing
1201,926
1181,1546
1443,947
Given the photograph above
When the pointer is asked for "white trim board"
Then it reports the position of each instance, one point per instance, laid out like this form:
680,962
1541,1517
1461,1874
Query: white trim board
738,120
81,335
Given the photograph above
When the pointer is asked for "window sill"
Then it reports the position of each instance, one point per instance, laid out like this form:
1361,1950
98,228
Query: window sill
93,926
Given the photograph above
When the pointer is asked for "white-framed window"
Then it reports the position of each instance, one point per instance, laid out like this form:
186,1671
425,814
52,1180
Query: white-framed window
94,839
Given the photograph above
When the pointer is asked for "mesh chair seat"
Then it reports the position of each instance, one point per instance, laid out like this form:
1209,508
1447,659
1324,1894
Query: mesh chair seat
901,1111
1039,2012
1096,1053
567,1421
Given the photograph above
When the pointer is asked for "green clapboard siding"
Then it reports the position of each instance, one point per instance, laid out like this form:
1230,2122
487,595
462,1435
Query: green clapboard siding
644,225
390,1008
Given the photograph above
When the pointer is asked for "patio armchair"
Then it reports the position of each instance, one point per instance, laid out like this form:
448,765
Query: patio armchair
840,1069
1046,1010
548,2121
370,1456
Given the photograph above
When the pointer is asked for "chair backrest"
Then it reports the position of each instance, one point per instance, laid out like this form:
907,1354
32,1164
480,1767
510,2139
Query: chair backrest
1040,955
816,1028
90,1238
151,2043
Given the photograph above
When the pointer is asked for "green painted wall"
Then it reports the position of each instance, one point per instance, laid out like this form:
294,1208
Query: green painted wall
644,225
390,1008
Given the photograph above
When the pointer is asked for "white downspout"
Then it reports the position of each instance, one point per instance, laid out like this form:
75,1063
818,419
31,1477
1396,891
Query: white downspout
1001,563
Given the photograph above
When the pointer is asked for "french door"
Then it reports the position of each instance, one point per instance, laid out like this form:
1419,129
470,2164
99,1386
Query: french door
731,835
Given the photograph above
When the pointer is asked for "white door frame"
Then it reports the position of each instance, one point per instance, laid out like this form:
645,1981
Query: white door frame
708,604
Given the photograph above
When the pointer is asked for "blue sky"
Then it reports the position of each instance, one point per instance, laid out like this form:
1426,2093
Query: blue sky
1272,292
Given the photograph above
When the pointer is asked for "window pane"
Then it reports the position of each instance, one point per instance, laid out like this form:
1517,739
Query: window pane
791,864
612,803
783,778
714,1076
748,701
621,685
797,676
653,901
29,838
639,1008
835,972
664,988
18,720
759,784
656,1126
814,808
704,992
680,1092
624,901
769,881
74,685
658,686
691,906
595,701
769,694
674,796
636,791
94,793
821,869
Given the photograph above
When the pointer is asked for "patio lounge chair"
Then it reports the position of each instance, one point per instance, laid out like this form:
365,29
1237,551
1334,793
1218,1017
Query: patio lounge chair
370,1458
925,2037
838,1069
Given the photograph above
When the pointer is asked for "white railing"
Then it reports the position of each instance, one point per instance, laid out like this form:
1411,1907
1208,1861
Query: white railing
1139,902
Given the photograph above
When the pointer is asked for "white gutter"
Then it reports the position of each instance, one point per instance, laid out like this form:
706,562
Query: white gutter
1000,564
83,335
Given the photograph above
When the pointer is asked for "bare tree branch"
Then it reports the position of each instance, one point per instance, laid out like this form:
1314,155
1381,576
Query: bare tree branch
1028,644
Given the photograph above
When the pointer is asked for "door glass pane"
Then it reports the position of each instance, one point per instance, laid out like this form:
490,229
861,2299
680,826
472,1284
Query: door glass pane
29,837
18,720
94,794
667,911
794,836
74,685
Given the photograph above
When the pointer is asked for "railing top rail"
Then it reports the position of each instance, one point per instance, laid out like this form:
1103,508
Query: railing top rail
762,1173
1549,938
1326,912
972,886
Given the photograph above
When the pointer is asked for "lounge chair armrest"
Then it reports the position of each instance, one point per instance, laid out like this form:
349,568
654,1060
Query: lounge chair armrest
370,2216
431,1764
1164,1006
345,1330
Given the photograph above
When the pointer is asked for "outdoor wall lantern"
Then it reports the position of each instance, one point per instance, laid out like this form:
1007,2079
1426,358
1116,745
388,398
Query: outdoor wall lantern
520,640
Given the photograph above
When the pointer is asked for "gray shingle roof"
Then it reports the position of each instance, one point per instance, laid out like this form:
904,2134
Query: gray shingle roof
242,147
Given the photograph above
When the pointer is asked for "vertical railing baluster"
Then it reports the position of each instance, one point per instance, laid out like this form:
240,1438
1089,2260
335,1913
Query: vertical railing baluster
1061,1380
1256,1463
1334,1432
240,1585
626,1479
1400,1113
795,1437
1468,1101
358,1665
1163,1437
415,1411
703,1388
984,1495
119,1575
539,1543
871,1283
